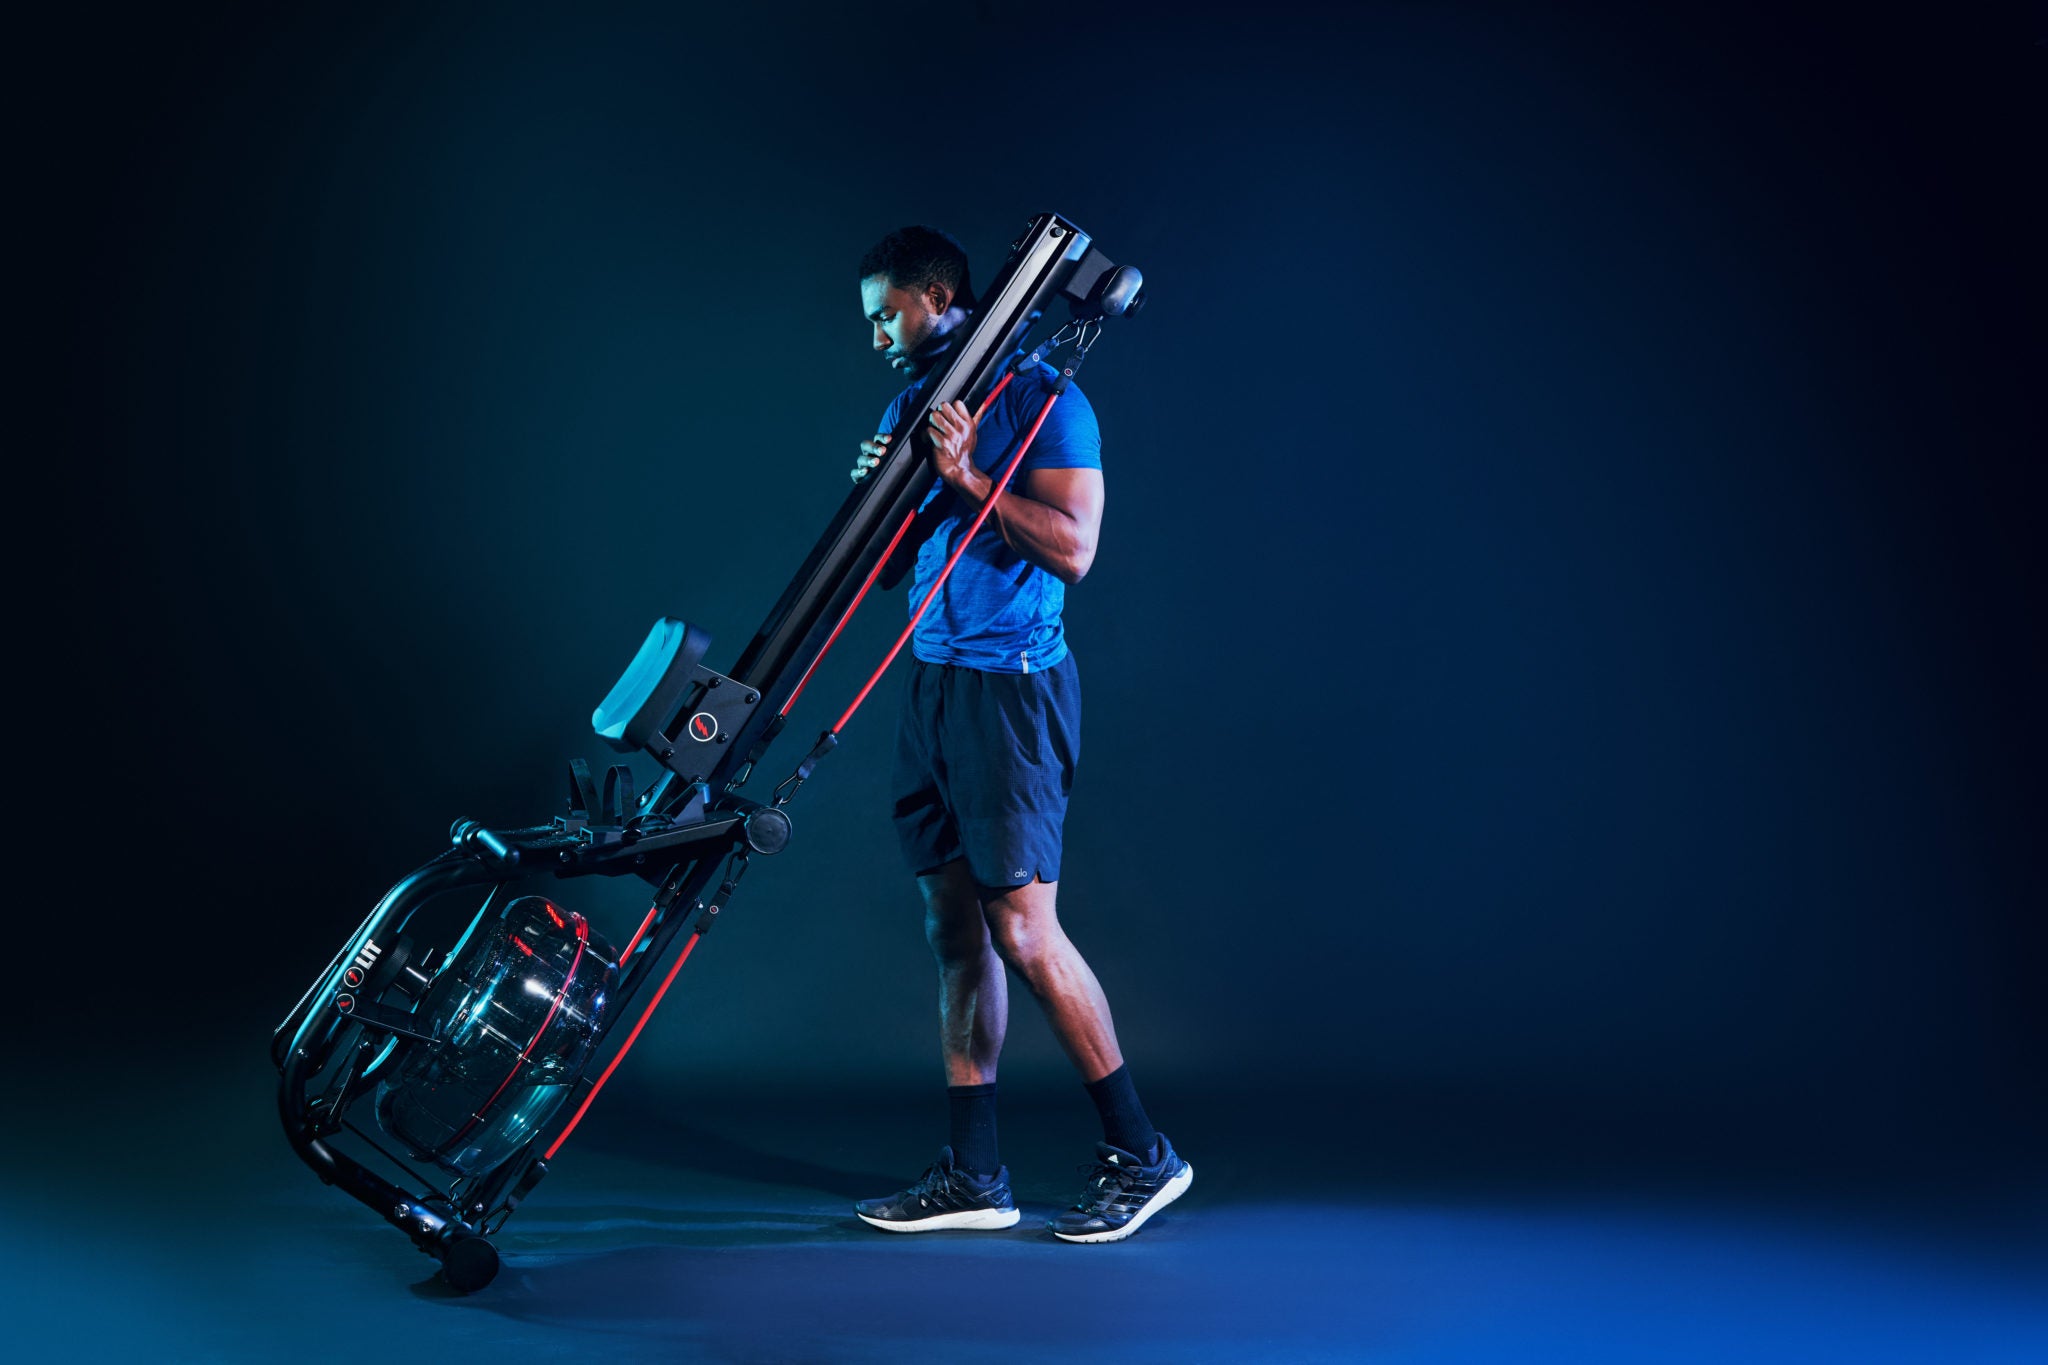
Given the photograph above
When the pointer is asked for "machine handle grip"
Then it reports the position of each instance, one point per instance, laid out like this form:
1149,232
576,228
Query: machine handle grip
472,836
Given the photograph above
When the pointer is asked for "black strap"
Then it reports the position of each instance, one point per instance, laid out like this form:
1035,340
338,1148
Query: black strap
1069,370
827,742
618,795
746,769
708,916
1025,362
582,790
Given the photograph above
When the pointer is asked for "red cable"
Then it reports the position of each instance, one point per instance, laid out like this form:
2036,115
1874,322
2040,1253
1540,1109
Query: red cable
844,617
582,942
1004,383
847,615
626,958
625,1047
691,944
958,550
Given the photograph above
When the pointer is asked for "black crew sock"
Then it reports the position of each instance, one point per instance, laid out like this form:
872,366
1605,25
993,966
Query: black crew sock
974,1127
1123,1119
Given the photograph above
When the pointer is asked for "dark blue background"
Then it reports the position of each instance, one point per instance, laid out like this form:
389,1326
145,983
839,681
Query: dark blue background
1566,646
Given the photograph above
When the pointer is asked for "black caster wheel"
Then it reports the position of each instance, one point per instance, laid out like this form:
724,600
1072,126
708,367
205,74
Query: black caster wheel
468,1262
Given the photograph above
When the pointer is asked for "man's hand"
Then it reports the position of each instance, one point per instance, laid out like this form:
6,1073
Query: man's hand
952,439
871,452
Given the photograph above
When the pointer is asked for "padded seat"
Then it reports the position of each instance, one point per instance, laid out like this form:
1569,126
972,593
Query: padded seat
635,714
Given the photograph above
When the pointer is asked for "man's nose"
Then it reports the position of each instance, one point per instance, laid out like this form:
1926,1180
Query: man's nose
881,338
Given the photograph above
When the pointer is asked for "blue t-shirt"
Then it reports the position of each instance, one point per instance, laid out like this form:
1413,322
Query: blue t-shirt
999,612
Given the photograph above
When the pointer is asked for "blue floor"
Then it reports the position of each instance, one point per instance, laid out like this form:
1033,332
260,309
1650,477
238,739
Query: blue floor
730,1241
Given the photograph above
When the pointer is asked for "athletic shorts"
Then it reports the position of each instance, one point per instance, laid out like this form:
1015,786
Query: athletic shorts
984,762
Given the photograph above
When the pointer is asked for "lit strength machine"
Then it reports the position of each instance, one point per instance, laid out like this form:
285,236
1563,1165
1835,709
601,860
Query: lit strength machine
465,1070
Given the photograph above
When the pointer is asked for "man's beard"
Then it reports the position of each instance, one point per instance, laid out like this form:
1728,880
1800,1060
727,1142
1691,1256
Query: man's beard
933,352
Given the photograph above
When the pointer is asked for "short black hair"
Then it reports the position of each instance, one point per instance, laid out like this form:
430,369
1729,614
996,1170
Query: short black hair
916,258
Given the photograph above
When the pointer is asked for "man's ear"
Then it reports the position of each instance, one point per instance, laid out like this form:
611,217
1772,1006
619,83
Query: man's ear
938,297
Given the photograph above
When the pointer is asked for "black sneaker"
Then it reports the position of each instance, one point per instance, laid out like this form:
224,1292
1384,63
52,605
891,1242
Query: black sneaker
945,1196
1123,1191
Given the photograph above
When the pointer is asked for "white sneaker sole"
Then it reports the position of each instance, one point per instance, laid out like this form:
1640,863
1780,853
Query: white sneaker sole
939,1222
1172,1190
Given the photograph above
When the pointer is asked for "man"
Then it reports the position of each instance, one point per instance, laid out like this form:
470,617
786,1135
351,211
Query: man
986,748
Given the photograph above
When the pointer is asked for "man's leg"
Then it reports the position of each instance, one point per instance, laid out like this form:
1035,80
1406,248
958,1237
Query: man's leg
1024,929
974,1010
1137,1172
971,1190
974,1003
967,1187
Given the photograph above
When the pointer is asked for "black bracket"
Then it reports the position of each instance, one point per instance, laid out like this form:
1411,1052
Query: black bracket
717,708
383,1017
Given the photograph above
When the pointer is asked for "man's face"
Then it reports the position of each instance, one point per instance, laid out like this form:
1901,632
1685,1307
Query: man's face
904,320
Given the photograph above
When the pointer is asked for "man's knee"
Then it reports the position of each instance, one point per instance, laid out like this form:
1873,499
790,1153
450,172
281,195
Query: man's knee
953,924
1023,925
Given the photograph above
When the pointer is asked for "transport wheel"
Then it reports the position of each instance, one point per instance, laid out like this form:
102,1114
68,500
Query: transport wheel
468,1262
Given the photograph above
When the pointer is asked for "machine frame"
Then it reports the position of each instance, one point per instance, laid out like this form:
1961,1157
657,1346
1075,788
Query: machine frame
706,731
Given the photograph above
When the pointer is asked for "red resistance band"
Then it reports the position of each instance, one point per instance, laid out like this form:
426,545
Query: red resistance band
624,1048
986,507
1002,483
735,871
526,1053
873,573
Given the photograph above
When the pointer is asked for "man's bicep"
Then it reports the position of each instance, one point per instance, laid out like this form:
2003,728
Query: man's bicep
1077,492
1068,439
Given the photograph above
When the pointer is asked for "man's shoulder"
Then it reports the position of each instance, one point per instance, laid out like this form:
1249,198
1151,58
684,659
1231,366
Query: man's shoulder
1070,437
1035,384
1041,376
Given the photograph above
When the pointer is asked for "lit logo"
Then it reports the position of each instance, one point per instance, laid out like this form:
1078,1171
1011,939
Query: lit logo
703,727
365,960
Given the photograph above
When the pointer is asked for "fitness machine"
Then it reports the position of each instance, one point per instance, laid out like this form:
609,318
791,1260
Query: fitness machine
478,1063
